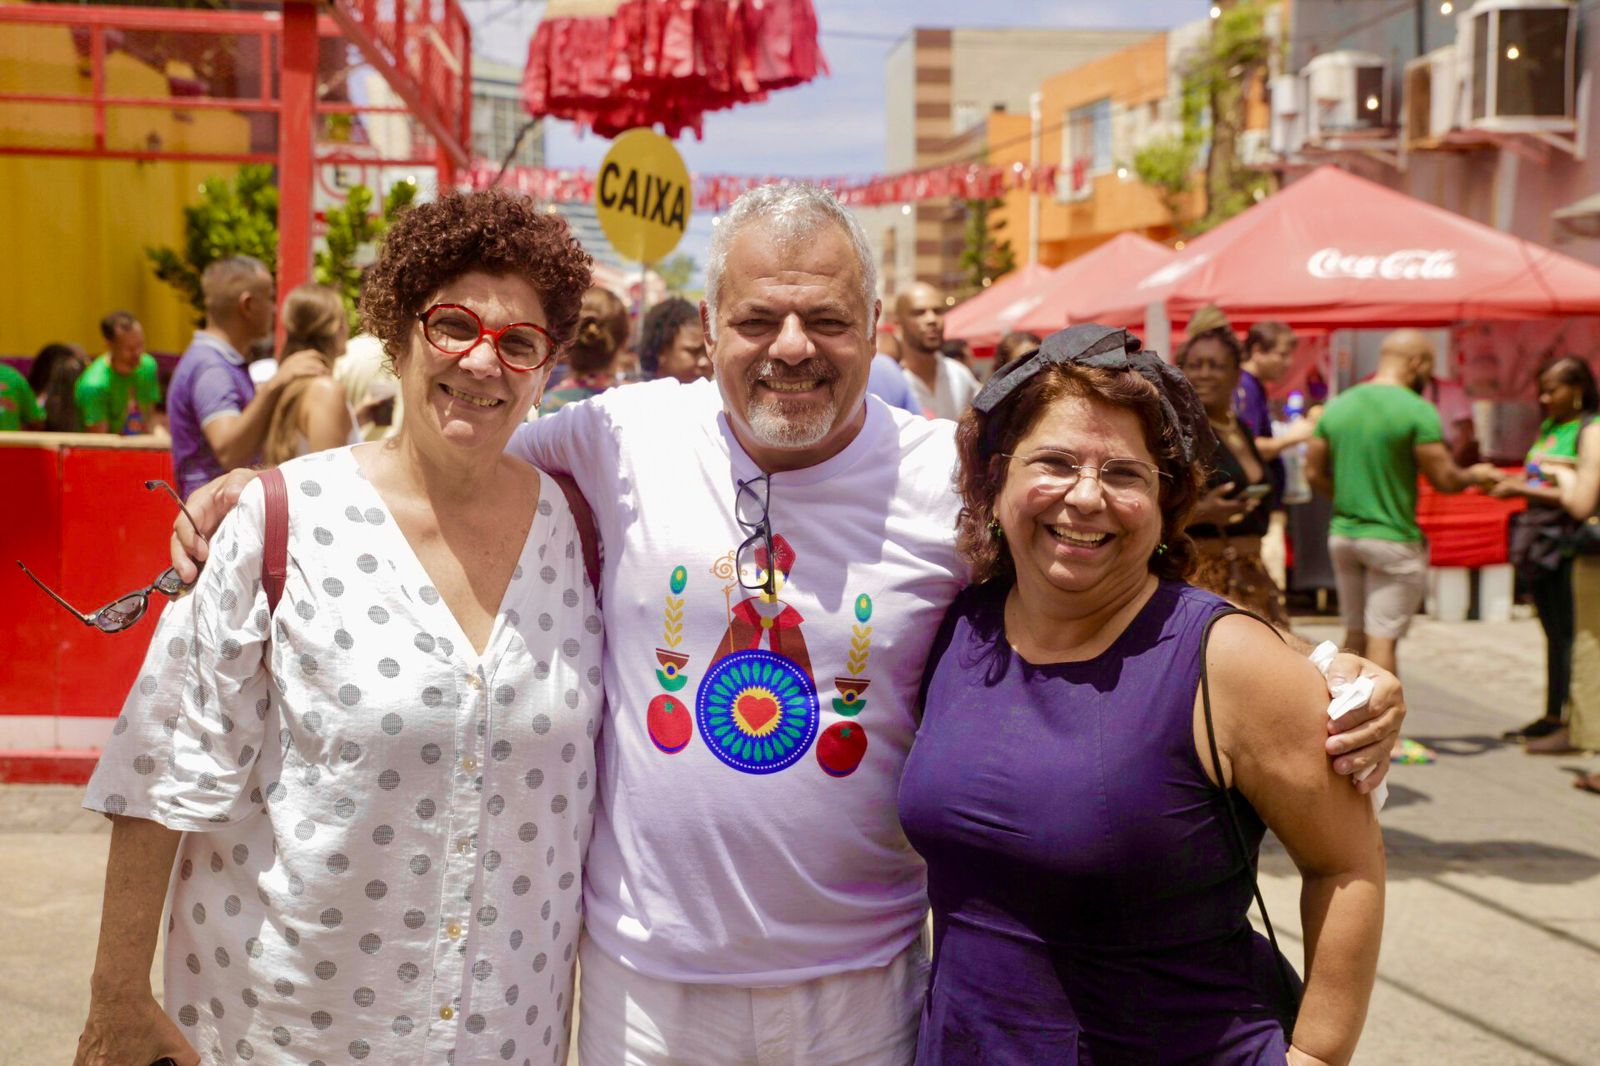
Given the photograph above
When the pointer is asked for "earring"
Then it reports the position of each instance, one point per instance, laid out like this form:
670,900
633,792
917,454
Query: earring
1161,549
996,532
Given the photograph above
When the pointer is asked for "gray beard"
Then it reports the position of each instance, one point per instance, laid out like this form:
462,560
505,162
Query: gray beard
780,423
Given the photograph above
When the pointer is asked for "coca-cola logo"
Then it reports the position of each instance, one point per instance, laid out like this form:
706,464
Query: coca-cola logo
1406,264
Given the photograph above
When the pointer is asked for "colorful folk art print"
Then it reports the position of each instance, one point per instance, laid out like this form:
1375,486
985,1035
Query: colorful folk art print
757,708
757,711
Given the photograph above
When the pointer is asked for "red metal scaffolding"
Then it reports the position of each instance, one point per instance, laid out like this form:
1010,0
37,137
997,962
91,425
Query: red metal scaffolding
422,49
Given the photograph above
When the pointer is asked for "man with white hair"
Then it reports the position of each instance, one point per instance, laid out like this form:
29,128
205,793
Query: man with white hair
779,553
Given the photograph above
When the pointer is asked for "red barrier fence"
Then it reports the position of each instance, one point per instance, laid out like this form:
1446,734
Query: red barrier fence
82,520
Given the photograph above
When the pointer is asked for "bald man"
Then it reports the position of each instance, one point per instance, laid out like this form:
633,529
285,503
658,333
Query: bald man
1369,446
943,387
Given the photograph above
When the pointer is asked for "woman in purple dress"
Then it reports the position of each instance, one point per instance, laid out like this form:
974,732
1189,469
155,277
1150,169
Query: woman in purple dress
1090,887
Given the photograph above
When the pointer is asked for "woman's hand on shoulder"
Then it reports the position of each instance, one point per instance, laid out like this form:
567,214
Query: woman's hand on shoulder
208,506
1271,707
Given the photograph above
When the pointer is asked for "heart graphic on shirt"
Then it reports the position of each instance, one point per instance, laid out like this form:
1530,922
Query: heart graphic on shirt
757,709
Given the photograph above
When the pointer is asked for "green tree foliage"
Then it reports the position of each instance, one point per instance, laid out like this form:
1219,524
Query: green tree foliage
1216,87
986,254
354,231
1166,164
232,218
677,272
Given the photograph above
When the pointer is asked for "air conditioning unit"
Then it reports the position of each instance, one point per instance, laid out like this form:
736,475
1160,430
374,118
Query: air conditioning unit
1430,95
1347,93
1288,132
1519,60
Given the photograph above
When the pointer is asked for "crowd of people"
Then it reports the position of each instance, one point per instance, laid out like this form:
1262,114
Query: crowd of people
719,684
65,391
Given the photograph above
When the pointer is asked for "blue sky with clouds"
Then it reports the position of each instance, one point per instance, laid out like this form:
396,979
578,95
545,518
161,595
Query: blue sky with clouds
833,125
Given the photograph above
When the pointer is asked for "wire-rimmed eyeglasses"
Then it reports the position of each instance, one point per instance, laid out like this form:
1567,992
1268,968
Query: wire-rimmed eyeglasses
1119,478
126,610
750,508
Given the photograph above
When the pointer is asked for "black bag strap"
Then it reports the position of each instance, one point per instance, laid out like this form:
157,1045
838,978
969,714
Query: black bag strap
275,539
1236,830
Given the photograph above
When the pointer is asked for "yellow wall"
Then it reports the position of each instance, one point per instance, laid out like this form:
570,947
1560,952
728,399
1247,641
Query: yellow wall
75,229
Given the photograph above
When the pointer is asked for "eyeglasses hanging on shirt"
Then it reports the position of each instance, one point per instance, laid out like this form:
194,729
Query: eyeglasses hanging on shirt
750,508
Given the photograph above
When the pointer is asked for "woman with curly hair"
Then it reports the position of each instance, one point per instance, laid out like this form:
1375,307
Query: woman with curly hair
1103,746
372,803
672,343
312,414
591,357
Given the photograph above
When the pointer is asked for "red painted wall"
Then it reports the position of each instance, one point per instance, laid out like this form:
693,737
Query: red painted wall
82,520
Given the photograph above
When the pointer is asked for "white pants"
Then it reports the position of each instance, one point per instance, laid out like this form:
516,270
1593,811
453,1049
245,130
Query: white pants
858,1018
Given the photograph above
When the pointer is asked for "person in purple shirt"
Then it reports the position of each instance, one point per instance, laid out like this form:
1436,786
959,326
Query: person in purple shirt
887,383
217,417
1268,349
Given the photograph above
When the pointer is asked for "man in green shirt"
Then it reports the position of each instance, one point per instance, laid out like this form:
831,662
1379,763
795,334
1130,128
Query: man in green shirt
119,391
1369,446
19,408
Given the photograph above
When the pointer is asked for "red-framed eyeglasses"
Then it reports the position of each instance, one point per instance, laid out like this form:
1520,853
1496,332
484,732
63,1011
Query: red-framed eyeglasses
456,330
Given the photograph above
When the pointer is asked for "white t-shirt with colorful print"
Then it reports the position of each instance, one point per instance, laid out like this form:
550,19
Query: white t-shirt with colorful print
747,831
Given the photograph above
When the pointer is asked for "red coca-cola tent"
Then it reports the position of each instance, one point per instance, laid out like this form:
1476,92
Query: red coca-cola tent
1334,251
1091,280
980,320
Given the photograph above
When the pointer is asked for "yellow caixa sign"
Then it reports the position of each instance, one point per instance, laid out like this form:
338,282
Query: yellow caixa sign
643,197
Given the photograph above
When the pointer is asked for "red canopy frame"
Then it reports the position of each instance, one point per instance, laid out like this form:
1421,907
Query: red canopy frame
423,49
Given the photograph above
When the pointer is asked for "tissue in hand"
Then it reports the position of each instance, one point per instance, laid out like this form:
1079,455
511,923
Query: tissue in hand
1347,696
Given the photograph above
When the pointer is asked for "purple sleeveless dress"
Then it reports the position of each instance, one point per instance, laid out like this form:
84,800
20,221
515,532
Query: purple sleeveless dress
1087,905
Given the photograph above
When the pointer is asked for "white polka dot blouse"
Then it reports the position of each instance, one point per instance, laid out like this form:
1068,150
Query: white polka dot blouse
384,831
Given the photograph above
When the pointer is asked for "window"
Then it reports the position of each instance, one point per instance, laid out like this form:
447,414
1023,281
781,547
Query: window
1088,140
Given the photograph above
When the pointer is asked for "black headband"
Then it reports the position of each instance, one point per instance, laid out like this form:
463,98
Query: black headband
1116,350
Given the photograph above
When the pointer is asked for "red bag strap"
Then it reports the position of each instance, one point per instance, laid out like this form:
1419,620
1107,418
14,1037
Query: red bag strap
587,535
275,541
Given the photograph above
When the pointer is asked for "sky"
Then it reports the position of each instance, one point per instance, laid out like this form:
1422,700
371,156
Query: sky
835,124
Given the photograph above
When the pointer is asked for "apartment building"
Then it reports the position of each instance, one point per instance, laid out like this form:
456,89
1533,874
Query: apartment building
1487,109
943,86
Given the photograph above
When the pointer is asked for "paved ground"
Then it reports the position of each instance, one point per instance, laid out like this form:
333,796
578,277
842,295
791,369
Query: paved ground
1492,948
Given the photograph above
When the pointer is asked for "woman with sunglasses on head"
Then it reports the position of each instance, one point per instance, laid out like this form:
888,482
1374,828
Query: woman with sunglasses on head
1091,848
372,803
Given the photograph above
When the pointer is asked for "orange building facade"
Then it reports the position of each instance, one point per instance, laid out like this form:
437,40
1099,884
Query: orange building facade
1090,121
